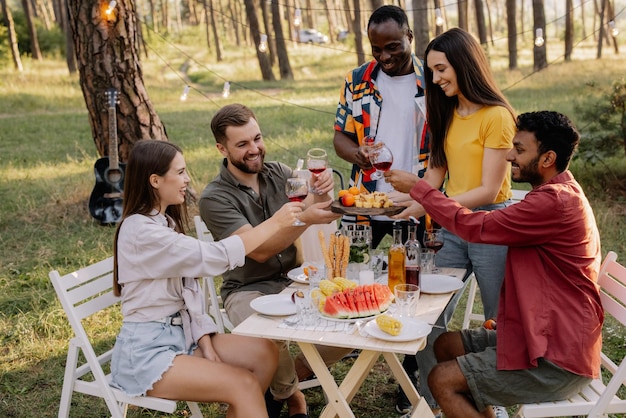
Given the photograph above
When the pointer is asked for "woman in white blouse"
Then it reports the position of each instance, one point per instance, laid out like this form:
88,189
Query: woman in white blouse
168,346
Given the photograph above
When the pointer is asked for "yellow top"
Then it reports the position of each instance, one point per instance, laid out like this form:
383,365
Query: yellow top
467,138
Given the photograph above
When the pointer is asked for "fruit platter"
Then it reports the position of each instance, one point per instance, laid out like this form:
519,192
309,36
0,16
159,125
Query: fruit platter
354,202
342,299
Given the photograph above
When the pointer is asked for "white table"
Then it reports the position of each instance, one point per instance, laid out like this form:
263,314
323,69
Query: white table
339,397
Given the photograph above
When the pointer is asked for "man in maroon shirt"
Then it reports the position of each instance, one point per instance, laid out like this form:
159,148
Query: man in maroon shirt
550,316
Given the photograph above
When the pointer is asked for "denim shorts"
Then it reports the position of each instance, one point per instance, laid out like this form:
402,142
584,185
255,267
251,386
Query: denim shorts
143,351
489,386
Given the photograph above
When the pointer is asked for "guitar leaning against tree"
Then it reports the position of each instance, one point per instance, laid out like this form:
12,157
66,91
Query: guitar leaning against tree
105,203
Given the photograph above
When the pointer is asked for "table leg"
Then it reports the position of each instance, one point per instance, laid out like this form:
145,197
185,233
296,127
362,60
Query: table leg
420,406
337,403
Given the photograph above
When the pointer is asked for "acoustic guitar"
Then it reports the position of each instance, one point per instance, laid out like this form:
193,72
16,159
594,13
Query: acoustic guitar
105,202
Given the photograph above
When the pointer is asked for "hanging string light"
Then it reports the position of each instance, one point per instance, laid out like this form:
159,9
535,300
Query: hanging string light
614,30
438,17
109,9
226,91
263,44
183,96
539,41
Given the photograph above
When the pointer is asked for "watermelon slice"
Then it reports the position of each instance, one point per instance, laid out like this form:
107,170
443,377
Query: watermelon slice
359,302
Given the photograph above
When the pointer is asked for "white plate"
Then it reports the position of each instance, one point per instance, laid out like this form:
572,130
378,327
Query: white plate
297,275
412,329
275,305
439,283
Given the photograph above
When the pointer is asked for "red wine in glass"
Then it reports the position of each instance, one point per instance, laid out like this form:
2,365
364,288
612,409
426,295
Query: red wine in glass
434,245
316,162
413,275
296,198
433,239
317,171
382,165
381,159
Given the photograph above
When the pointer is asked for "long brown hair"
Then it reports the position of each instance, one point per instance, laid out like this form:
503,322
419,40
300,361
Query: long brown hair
147,157
475,81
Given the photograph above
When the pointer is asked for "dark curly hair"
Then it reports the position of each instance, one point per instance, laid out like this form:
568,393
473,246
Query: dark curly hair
389,12
554,132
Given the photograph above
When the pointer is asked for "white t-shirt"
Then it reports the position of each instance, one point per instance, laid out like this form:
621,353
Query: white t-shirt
396,126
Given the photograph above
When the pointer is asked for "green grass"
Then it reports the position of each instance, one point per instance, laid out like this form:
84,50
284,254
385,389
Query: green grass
46,176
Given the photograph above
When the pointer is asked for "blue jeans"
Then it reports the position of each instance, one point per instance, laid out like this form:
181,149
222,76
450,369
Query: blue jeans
487,262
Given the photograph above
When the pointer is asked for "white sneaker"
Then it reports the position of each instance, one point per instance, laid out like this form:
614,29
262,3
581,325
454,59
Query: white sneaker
500,412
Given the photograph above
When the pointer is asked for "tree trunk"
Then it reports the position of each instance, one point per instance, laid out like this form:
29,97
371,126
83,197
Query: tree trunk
480,22
154,18
32,30
233,19
438,29
358,33
271,45
569,29
107,56
8,22
255,32
511,23
347,7
70,53
310,19
281,48
539,20
376,4
216,37
489,20
463,12
601,34
420,27
207,24
332,25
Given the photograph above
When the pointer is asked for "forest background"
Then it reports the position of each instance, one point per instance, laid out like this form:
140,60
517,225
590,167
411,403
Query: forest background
48,149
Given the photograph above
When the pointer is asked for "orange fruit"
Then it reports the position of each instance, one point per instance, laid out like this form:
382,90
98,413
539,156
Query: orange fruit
342,192
347,199
354,191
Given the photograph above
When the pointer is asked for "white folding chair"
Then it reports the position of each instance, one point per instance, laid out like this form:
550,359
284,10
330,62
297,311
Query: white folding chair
82,294
470,315
597,399
214,306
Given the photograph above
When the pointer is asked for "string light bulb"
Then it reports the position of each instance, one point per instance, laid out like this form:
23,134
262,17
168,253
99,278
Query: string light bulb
263,44
110,8
183,96
614,30
539,41
226,91
297,18
438,17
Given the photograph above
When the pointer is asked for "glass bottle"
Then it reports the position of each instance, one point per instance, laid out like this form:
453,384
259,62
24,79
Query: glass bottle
412,248
396,259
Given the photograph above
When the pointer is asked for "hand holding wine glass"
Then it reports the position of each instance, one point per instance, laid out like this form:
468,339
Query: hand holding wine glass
316,163
297,189
433,239
381,159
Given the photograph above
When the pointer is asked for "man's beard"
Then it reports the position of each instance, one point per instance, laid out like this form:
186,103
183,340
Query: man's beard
243,166
529,173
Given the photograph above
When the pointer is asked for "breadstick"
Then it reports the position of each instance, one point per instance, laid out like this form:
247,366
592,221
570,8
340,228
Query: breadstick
332,255
327,262
345,256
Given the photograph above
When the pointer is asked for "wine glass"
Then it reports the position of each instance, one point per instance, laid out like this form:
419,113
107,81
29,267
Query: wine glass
433,239
316,162
381,159
296,189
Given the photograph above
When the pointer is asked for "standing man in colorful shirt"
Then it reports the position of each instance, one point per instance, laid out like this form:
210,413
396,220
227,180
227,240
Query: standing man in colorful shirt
549,323
384,98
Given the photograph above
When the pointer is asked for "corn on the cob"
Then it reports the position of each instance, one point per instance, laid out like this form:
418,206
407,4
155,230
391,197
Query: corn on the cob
328,287
389,324
344,283
318,297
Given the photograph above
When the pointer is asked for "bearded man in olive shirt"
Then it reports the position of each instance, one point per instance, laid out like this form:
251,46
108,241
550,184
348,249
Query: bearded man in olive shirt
247,191
550,316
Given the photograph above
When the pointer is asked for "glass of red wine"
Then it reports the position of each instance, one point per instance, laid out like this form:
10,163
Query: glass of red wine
433,239
297,189
316,162
381,159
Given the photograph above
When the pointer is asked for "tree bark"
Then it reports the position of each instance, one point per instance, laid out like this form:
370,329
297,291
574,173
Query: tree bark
32,30
358,33
216,37
511,23
281,48
107,56
539,52
255,32
332,25
480,22
420,26
463,12
267,29
70,53
569,29
8,22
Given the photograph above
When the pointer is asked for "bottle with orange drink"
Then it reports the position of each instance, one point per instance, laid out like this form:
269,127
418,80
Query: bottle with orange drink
396,259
